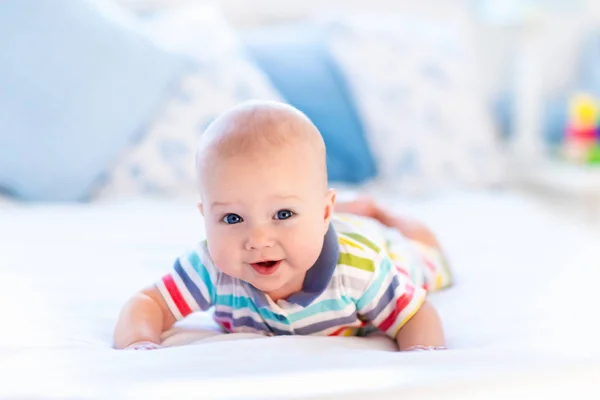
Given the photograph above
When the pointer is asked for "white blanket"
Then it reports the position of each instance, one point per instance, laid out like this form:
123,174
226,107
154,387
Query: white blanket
523,307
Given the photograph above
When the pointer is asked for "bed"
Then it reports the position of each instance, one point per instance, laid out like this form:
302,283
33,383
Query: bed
519,320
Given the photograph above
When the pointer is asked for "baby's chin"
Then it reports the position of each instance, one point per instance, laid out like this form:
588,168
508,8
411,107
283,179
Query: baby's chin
267,285
280,284
266,289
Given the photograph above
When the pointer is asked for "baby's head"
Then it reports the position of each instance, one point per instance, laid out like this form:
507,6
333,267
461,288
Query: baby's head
264,195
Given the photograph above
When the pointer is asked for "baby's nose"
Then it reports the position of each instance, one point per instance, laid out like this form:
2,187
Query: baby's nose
259,238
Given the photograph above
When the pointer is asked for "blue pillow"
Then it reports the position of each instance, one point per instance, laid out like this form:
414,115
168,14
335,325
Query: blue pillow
299,65
77,82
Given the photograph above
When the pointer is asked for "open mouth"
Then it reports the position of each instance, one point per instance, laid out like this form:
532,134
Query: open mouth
266,267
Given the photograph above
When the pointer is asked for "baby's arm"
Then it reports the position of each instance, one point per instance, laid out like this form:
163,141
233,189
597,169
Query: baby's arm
189,287
395,305
423,329
143,319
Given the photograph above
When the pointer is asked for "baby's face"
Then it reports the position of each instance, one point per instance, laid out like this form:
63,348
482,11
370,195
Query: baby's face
266,218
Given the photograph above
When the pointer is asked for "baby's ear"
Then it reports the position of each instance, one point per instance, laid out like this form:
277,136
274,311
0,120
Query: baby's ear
329,204
201,208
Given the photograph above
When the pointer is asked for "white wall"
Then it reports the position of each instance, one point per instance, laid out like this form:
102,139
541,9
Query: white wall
560,37
253,12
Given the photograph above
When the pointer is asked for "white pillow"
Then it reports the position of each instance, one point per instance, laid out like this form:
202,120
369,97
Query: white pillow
220,76
414,81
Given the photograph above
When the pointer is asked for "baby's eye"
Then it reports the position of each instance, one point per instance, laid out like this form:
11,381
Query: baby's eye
232,219
284,214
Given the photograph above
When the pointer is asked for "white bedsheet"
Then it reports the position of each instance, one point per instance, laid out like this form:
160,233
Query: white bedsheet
521,315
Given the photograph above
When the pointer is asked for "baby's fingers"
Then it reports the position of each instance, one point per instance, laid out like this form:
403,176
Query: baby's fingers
145,345
425,348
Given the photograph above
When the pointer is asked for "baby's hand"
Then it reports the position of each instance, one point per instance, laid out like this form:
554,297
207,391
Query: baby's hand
145,345
425,348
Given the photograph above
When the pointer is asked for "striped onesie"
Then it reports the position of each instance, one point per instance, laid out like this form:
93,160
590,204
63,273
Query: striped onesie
367,277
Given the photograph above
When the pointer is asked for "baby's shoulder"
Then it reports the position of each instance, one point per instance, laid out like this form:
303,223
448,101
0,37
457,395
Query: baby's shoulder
359,236
197,259
361,251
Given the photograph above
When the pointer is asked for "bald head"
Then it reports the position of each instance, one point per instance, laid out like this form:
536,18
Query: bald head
253,129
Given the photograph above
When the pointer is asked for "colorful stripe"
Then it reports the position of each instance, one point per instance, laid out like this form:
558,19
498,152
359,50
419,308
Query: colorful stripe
247,321
194,260
411,311
384,270
326,324
321,307
176,296
363,240
354,261
345,242
401,304
384,300
192,288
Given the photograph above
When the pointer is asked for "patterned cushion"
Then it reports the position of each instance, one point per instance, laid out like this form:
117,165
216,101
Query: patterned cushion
413,80
162,162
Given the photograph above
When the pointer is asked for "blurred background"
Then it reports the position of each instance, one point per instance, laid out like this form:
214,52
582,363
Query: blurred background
455,112
103,100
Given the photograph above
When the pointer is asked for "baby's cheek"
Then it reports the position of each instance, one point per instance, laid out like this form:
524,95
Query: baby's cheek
216,247
226,258
306,251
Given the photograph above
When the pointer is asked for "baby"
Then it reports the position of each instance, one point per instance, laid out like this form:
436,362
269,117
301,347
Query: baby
277,259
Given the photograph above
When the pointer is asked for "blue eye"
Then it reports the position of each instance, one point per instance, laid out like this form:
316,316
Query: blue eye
232,219
284,214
